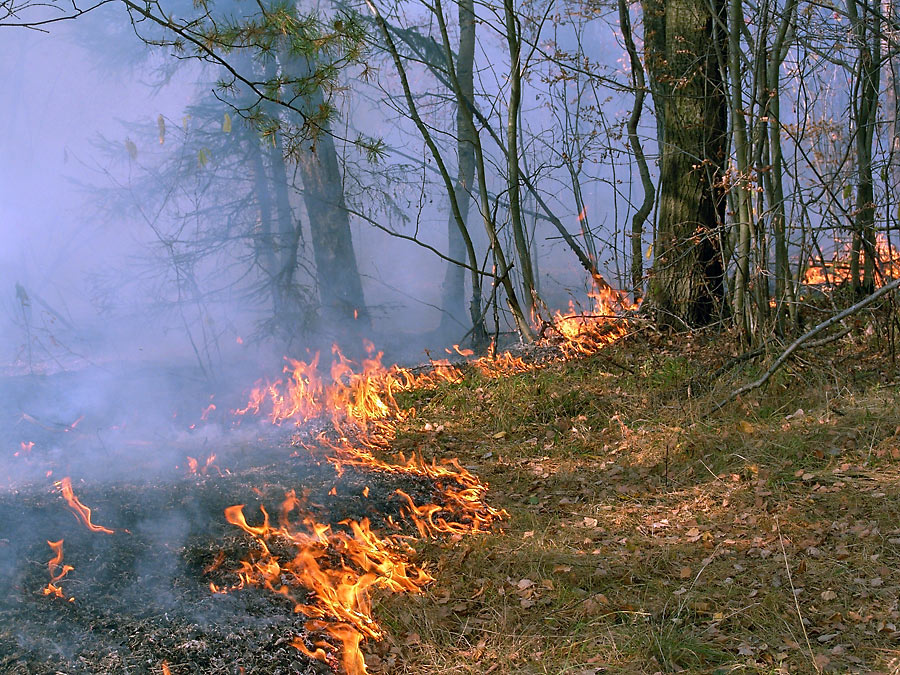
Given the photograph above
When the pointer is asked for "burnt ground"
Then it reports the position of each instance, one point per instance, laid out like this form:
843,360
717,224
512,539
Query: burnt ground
141,595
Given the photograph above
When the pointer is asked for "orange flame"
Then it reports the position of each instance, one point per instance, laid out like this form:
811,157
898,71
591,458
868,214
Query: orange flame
336,597
584,333
82,512
57,570
25,448
834,272
336,568
195,467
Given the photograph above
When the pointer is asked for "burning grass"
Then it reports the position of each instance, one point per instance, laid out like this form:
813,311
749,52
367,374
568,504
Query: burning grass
321,566
642,535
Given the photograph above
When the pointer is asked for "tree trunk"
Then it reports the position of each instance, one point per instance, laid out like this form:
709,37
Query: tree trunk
287,240
686,285
453,295
864,112
340,287
512,156
643,212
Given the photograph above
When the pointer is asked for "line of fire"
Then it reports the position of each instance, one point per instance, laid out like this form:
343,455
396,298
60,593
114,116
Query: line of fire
401,337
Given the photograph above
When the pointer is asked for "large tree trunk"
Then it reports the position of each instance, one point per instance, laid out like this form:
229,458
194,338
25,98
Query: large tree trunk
686,286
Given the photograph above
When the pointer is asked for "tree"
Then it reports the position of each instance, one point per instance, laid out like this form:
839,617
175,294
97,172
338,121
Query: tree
453,290
684,44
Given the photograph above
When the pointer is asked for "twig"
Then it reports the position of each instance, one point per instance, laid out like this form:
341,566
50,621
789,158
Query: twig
837,318
787,568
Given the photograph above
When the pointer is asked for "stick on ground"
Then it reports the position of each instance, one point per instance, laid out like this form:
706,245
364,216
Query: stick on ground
837,318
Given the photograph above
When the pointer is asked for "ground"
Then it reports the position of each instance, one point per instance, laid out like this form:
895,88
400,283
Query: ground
644,534
647,536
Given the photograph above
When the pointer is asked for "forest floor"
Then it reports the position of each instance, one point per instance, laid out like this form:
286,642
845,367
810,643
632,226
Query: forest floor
646,535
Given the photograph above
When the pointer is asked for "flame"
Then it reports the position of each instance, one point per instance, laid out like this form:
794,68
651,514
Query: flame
57,571
25,448
195,467
584,333
831,273
331,570
82,512
164,666
329,577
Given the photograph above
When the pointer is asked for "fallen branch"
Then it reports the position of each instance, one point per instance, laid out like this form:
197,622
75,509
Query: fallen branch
707,380
837,318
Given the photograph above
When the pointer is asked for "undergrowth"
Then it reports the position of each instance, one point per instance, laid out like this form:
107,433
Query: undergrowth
647,535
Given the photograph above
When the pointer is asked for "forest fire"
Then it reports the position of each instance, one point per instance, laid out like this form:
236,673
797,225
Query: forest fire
336,567
365,394
831,273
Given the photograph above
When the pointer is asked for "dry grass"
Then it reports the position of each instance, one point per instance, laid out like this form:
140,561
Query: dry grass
644,538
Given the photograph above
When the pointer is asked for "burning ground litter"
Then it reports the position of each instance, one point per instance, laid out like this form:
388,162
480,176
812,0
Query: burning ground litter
143,596
345,507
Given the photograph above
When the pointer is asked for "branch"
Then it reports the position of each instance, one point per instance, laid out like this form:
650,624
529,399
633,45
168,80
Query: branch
837,318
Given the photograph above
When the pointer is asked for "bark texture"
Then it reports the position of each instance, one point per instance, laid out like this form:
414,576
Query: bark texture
684,50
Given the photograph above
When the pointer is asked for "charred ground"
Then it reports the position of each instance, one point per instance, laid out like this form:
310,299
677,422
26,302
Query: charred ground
141,595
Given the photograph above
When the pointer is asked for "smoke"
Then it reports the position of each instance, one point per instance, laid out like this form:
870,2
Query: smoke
134,286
